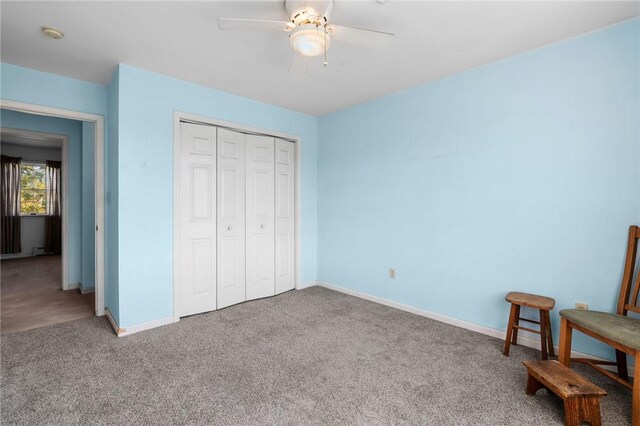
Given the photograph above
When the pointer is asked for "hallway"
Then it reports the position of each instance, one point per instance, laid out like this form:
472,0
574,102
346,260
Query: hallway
31,295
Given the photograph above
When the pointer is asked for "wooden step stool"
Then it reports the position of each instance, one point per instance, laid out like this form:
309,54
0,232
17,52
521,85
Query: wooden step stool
541,303
581,397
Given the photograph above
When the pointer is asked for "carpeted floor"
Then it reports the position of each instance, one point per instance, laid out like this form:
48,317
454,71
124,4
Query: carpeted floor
305,357
31,295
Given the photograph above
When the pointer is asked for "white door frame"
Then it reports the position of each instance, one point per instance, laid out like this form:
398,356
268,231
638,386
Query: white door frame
65,189
98,120
179,116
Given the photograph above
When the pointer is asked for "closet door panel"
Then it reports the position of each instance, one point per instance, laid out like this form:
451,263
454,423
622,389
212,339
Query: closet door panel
260,217
196,263
284,221
231,218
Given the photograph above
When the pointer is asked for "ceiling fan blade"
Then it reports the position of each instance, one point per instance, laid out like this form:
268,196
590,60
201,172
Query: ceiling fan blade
227,24
299,64
326,9
359,36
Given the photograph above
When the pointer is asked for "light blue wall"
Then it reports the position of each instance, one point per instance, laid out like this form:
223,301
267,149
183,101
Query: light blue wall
147,102
111,203
520,175
88,206
73,129
41,88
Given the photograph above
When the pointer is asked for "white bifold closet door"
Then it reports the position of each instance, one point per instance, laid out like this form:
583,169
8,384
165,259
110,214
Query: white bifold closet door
260,260
231,217
285,210
196,211
235,217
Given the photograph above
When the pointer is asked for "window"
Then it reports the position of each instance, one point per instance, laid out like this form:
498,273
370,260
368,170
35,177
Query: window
33,189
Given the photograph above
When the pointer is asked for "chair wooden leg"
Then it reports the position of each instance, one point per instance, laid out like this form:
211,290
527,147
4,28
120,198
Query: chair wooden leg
564,349
543,335
507,340
635,396
621,361
552,352
516,321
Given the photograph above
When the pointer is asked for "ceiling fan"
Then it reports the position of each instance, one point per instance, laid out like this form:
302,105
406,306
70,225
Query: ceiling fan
311,32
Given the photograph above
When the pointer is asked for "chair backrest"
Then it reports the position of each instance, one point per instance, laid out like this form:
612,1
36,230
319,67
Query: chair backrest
630,288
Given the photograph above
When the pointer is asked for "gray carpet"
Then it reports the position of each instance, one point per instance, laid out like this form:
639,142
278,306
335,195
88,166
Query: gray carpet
305,357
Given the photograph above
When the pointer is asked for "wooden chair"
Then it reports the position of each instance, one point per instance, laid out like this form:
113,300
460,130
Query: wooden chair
618,330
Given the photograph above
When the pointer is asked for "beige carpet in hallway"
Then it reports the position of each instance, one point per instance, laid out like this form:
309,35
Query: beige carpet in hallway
31,295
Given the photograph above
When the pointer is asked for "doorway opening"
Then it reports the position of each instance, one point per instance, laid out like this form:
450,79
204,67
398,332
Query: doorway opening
52,216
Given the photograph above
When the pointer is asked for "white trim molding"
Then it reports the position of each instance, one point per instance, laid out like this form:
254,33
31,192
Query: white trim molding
98,120
145,326
524,338
307,285
121,332
112,321
86,290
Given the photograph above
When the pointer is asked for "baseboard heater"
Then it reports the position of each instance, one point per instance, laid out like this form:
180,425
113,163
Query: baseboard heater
39,251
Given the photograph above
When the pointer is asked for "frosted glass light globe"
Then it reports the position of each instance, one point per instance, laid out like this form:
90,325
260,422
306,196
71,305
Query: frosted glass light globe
309,40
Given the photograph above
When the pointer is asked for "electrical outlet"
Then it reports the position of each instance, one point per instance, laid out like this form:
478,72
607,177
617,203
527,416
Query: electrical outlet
582,306
392,273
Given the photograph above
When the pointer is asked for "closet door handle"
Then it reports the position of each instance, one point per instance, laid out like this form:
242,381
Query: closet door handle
229,228
262,226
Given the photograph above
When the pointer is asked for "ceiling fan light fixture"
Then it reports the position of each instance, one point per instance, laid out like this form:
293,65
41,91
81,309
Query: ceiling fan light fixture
309,40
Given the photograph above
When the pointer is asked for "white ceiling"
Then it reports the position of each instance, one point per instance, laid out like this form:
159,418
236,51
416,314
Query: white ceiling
182,39
16,139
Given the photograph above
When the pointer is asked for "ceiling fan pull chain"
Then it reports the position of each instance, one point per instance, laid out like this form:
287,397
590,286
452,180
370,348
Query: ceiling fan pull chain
325,63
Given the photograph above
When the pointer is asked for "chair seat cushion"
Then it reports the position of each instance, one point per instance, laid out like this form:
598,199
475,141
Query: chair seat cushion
619,328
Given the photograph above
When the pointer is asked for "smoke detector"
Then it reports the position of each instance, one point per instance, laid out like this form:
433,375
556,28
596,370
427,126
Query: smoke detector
53,33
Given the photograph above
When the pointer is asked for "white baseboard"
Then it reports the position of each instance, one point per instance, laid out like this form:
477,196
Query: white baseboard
73,286
86,290
22,255
165,321
524,338
112,321
145,326
120,332
306,285
15,256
